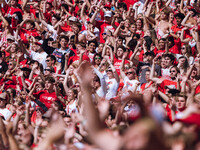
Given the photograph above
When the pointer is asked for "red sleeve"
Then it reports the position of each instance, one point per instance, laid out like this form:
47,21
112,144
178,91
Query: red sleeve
37,95
14,79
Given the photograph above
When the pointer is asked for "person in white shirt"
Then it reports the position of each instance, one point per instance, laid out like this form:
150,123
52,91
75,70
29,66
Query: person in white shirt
99,83
112,81
4,112
130,83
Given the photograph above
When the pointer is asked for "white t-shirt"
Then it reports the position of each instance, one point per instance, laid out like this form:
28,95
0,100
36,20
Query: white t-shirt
54,34
5,113
71,108
40,57
101,92
129,85
112,86
165,73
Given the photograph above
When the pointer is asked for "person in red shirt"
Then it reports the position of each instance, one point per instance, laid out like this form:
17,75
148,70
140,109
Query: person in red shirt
178,27
23,80
47,96
103,25
80,54
11,8
29,31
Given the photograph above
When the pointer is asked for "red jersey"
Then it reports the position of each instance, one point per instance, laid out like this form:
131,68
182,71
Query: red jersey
117,64
46,97
18,80
25,34
166,83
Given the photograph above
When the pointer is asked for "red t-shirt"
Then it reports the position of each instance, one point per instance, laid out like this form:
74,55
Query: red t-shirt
102,25
117,64
11,10
76,58
18,80
25,34
176,49
166,83
46,97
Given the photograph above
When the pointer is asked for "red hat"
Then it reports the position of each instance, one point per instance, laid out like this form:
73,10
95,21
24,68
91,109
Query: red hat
108,5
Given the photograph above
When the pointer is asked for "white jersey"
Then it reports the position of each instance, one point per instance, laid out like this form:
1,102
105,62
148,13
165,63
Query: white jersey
71,108
112,86
40,57
129,85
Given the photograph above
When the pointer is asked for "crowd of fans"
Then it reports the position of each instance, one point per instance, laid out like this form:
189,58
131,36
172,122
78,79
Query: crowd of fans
100,74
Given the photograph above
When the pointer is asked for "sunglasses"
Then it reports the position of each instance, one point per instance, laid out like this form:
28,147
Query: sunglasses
47,69
47,60
108,70
172,71
129,72
97,57
103,33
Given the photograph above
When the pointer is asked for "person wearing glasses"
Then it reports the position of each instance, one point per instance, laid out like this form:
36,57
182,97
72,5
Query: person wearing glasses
112,81
130,82
187,52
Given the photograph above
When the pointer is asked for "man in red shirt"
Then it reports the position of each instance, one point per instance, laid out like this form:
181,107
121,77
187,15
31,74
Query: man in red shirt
23,80
47,96
105,25
29,30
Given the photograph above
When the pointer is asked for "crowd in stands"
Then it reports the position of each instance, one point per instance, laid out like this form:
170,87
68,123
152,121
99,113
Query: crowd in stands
100,75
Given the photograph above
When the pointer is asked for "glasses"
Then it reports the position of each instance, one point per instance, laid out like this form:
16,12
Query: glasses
172,71
1,99
47,69
47,60
103,33
108,70
97,57
129,73
76,86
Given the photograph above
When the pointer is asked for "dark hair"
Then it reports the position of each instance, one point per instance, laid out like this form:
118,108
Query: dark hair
122,47
132,44
93,41
56,16
180,15
52,57
19,15
177,69
136,35
171,39
148,41
96,78
8,20
65,6
170,56
120,5
81,44
163,39
63,37
50,79
31,22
